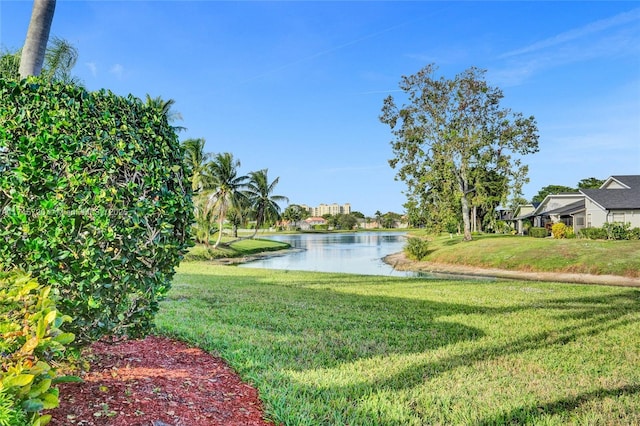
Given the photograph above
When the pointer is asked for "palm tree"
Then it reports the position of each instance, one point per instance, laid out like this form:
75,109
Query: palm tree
203,225
264,205
59,58
35,44
378,216
227,188
10,64
166,108
196,160
237,216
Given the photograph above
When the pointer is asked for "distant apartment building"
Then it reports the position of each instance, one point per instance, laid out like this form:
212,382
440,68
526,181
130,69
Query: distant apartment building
332,209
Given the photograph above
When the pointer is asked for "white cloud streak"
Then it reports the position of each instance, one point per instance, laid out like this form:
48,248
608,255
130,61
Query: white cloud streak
587,30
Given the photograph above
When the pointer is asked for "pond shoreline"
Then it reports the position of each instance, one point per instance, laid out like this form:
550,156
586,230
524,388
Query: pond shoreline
252,257
400,262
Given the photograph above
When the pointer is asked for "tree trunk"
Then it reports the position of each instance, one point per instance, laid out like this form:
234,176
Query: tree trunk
220,223
35,44
474,228
465,218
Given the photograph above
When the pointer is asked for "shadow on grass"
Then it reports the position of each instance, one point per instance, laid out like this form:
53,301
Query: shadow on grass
320,325
268,325
529,414
315,310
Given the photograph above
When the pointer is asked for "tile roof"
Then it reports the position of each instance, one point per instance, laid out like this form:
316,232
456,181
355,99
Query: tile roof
616,199
568,209
632,181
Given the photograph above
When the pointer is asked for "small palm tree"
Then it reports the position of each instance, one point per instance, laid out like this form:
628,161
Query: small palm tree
237,217
10,64
378,216
227,187
203,226
166,108
59,59
264,204
196,160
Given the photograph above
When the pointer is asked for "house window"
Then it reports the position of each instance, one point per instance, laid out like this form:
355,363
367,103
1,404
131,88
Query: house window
588,220
579,220
618,217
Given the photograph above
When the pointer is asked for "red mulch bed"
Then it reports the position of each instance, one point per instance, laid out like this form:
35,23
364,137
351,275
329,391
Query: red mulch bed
157,382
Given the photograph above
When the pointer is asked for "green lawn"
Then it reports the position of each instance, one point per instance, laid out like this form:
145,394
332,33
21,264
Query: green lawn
539,254
335,349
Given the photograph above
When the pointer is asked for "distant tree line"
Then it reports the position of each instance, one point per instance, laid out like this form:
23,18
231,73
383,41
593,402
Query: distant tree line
587,183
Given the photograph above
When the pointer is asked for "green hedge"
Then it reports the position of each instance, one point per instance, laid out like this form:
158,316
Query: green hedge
538,232
611,231
31,344
94,200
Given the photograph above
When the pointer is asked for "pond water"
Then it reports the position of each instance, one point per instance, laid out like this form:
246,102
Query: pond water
356,253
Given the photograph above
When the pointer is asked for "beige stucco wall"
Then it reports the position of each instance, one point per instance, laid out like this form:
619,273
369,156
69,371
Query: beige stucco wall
625,216
596,217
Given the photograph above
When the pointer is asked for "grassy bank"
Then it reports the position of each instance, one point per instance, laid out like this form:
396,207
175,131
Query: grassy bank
234,248
539,254
339,349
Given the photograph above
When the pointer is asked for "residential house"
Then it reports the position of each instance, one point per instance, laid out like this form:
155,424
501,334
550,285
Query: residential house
311,222
558,208
521,214
617,200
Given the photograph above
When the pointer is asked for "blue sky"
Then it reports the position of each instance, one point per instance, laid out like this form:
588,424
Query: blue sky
297,87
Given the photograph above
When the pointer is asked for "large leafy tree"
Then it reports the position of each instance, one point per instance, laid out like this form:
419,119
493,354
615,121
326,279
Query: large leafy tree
590,183
551,190
261,199
35,44
227,187
447,129
346,221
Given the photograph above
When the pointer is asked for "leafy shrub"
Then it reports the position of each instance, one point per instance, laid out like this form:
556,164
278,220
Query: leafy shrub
617,230
10,413
95,202
417,248
634,234
452,226
537,232
31,340
593,233
559,230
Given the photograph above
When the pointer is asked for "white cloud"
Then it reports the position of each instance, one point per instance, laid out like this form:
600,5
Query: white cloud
117,70
93,68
